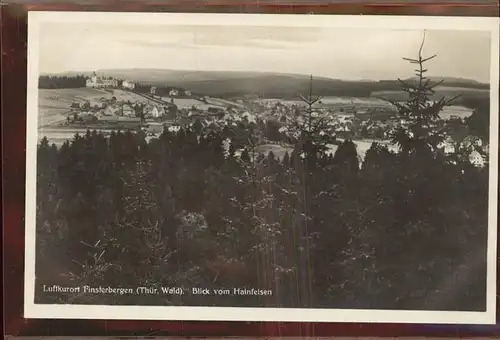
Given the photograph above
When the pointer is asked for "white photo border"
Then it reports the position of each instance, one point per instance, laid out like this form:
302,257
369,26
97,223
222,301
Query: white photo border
54,311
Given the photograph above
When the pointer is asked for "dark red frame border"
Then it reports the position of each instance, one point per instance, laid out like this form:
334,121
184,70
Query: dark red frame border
14,75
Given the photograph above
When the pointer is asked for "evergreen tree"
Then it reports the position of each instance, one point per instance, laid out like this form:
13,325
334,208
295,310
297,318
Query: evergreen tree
346,158
311,130
378,160
245,156
286,160
419,132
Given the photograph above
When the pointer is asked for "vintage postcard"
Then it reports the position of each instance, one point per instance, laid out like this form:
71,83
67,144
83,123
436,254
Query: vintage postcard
262,167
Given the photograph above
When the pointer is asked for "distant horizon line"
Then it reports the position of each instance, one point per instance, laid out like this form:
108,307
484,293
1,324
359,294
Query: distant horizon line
83,72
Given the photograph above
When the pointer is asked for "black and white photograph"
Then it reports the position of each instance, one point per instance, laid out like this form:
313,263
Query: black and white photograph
261,167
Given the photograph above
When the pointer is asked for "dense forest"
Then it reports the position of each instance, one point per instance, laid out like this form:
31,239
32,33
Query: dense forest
400,230
479,122
63,82
397,231
288,87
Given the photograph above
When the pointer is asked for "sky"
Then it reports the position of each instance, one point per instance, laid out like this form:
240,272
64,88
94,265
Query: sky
351,54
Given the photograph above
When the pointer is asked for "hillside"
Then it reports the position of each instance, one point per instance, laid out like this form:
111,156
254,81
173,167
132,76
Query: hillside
276,85
54,104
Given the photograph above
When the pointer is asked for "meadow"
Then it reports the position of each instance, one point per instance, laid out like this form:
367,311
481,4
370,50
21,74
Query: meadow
54,104
187,103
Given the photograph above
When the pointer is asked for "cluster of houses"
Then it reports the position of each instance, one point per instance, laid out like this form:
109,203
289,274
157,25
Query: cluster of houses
102,82
112,110
154,106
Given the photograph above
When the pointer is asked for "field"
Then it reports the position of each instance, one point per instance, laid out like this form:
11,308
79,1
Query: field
224,102
187,103
54,104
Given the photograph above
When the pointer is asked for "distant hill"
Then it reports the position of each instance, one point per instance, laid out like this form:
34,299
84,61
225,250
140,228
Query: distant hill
235,83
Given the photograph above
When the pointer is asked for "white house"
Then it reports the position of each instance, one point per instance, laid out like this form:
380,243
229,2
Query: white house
173,93
127,84
187,93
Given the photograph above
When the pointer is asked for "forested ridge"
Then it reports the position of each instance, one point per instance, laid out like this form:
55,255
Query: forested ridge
270,85
61,82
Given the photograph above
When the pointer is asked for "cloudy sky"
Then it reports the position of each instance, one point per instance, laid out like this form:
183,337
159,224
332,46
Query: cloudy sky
328,52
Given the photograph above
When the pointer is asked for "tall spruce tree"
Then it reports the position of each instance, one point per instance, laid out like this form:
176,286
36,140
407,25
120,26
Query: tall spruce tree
419,131
310,129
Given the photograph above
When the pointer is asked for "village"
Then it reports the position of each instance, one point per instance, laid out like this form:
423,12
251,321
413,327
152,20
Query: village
152,108
128,105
